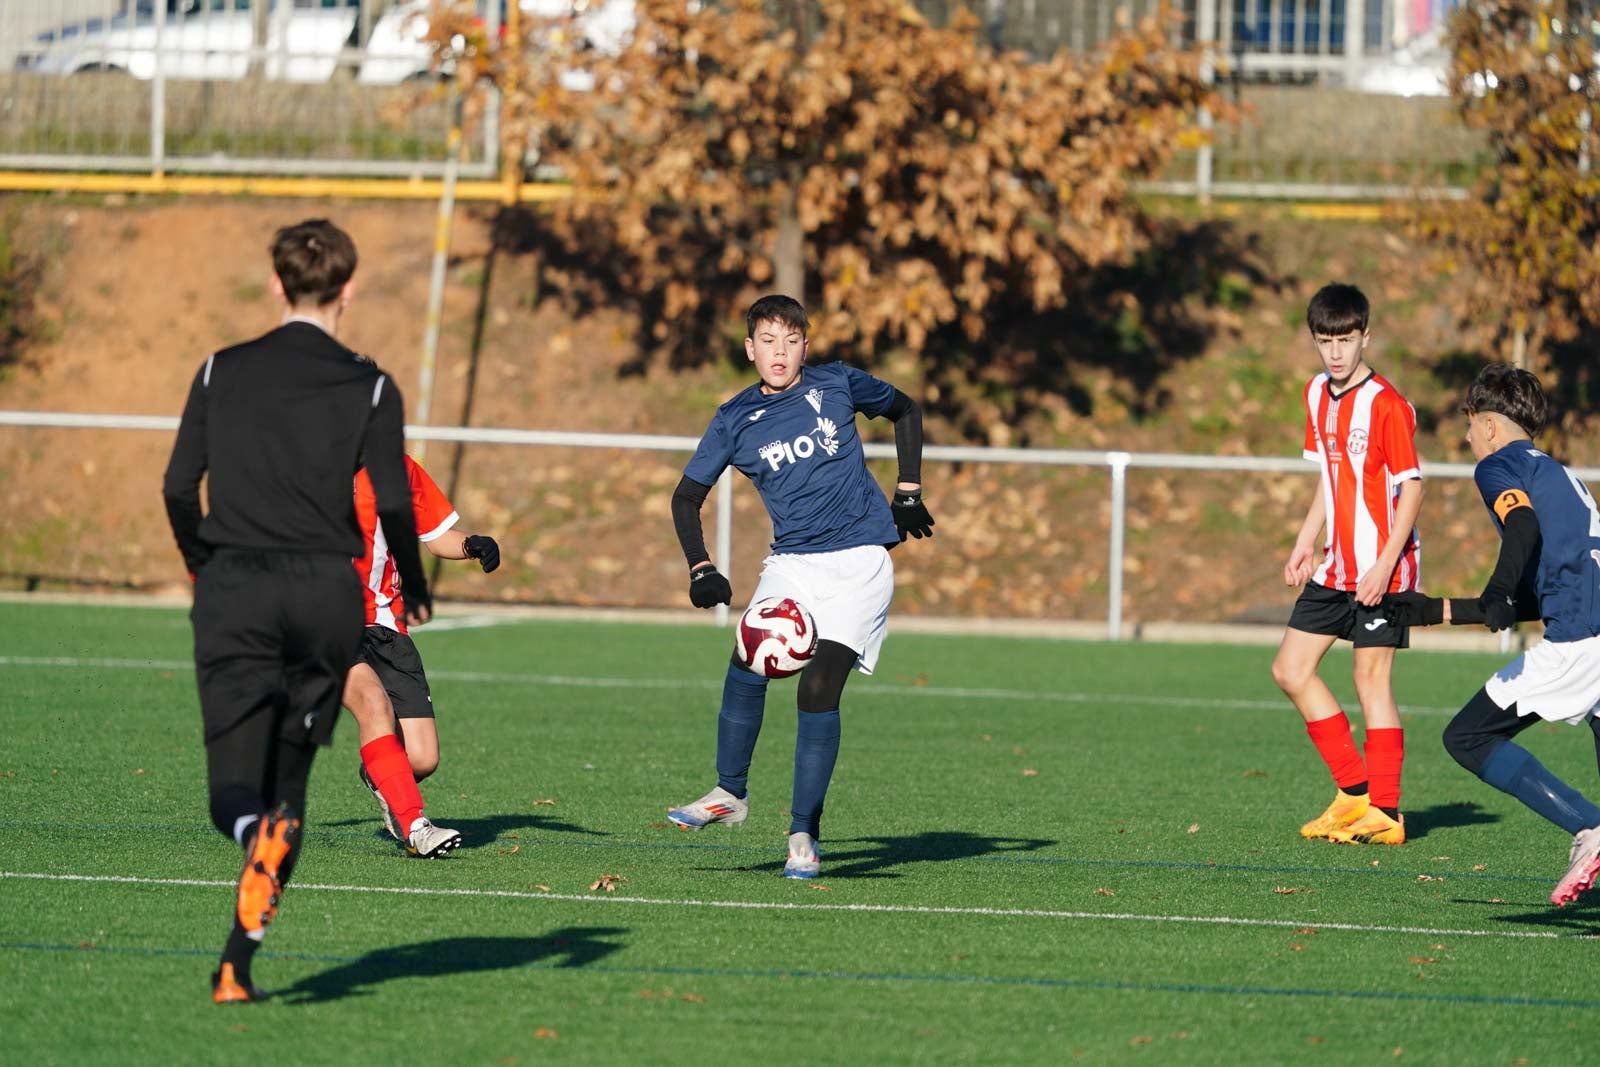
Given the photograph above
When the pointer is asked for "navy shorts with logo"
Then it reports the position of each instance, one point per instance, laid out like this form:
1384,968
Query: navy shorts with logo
393,656
1335,613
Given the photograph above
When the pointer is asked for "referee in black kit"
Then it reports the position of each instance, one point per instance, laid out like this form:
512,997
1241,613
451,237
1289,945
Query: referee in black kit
282,424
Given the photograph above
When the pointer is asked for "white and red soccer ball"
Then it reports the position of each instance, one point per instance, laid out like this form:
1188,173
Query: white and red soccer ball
776,637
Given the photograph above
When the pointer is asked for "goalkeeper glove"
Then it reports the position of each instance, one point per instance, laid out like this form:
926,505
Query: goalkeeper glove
484,550
1499,611
708,588
1413,609
911,514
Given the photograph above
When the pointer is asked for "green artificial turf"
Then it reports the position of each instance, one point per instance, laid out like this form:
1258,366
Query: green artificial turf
1034,851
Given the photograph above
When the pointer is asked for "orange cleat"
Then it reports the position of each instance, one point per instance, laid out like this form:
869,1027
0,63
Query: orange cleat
259,886
1344,810
227,989
1373,828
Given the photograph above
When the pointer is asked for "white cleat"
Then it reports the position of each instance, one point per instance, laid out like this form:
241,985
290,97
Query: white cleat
431,842
1583,863
719,805
804,859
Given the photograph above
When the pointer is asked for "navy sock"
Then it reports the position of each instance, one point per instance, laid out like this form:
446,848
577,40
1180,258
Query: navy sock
1512,769
744,701
816,746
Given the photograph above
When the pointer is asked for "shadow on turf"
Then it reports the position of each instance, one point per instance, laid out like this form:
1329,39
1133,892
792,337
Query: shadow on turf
872,857
1423,821
572,946
480,833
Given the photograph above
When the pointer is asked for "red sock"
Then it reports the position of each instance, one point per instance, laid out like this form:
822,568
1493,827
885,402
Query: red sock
390,770
1386,751
1338,750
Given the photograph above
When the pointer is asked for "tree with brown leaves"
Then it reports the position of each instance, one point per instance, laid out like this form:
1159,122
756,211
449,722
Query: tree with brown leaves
917,188
1524,71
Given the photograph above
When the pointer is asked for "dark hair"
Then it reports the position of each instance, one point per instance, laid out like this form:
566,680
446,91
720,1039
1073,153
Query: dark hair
775,308
313,259
1509,391
1336,310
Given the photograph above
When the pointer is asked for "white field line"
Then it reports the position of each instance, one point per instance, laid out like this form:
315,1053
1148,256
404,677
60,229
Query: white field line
863,689
880,909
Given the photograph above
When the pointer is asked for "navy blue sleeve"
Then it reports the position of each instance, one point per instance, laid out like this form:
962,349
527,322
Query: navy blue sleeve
1501,485
713,455
870,396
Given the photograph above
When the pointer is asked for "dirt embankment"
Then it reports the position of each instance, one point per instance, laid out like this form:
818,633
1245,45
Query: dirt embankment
138,293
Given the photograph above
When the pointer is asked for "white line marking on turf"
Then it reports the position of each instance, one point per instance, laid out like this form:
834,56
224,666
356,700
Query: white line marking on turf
863,689
888,909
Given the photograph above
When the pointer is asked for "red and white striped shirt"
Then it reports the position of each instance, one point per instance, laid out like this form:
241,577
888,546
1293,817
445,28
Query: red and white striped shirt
1363,438
434,516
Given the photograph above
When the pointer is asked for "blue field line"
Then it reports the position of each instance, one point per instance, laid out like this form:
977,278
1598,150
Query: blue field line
1097,985
838,854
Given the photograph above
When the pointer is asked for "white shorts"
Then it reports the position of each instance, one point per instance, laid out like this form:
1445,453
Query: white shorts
847,593
1559,681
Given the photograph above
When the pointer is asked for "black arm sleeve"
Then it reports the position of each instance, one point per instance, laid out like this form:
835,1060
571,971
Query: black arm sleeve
687,500
383,454
1519,544
907,419
180,486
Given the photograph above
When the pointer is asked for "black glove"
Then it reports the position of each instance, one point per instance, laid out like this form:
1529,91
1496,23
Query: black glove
707,588
911,514
484,550
1499,611
1413,609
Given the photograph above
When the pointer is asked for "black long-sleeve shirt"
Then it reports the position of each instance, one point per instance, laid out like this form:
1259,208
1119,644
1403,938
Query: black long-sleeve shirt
282,424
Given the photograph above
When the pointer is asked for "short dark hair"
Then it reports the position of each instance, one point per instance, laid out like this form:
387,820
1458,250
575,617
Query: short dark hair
775,307
1509,391
1337,309
314,259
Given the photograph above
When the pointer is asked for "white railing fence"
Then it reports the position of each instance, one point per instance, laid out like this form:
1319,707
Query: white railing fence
1116,463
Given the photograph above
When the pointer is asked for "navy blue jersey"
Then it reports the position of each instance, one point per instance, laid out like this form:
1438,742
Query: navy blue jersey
801,449
1567,572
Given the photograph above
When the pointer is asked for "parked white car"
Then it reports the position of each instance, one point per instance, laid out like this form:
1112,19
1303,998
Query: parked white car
211,40
201,39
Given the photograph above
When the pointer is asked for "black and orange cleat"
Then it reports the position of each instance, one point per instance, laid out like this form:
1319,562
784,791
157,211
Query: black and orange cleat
259,886
227,989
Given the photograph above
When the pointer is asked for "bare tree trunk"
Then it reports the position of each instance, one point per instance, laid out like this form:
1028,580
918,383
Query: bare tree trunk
789,257
260,12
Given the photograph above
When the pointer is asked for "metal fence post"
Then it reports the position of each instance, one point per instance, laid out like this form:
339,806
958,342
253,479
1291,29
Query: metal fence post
158,100
1206,36
1119,506
724,533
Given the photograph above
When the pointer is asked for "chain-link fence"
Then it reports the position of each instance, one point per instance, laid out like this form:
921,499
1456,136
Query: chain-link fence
1338,97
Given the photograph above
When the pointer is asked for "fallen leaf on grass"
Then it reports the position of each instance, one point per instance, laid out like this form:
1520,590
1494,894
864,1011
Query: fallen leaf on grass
663,825
139,771
1306,931
1142,1039
693,998
608,882
1428,878
1399,1050
986,737
1477,866
1194,828
512,851
1315,1039
821,888
1029,772
1496,900
1421,959
1285,890
1439,948
1297,948
1441,859
1104,893
1374,863
544,1033
540,888
1254,774
1180,1034
544,800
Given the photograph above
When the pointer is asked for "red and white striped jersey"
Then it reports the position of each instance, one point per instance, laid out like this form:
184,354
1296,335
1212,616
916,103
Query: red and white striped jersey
1364,440
434,516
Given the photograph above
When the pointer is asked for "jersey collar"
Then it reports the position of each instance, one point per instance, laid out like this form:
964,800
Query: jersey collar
1371,374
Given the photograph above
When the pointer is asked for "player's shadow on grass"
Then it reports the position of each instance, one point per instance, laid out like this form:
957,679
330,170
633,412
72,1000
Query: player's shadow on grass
875,857
571,946
1581,918
481,833
1422,821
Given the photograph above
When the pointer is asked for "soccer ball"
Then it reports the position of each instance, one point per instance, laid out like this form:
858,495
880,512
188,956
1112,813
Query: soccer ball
776,637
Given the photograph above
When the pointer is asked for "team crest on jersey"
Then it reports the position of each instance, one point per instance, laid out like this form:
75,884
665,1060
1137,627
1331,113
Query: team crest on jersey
825,437
1357,444
814,398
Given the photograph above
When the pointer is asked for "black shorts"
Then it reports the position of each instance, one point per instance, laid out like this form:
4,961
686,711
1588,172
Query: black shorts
275,634
393,656
1335,613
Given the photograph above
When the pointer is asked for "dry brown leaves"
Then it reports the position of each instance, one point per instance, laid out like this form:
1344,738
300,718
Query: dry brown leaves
607,882
1104,892
550,801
